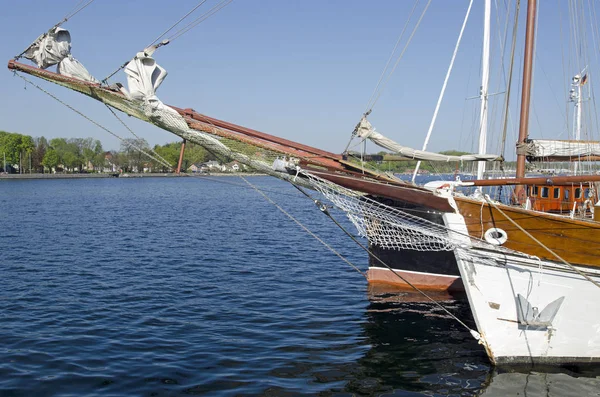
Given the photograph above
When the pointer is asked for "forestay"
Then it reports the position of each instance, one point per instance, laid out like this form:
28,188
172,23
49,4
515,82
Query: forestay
365,130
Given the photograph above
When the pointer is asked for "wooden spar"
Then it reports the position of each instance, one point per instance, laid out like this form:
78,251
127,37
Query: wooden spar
407,194
550,180
253,133
180,157
204,123
525,95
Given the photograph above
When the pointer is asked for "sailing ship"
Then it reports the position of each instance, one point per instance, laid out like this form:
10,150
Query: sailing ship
531,273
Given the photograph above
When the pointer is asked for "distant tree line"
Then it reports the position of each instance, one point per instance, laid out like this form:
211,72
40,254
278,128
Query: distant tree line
434,167
21,153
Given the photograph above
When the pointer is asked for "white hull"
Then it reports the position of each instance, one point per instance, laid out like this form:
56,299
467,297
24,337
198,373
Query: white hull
493,280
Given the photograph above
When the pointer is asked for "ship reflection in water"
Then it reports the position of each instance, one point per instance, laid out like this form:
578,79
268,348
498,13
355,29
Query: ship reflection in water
418,349
541,384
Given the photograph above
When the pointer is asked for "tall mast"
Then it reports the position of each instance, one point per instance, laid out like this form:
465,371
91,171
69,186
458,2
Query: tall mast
525,95
485,78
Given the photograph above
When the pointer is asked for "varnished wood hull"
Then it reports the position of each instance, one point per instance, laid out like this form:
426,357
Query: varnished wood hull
576,241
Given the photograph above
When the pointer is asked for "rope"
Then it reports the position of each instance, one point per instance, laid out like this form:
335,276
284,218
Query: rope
92,121
135,135
74,12
402,53
200,19
391,55
487,198
510,77
180,32
219,180
177,23
439,102
65,19
324,210
304,227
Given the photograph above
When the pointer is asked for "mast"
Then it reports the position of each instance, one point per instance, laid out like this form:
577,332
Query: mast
525,96
485,78
575,97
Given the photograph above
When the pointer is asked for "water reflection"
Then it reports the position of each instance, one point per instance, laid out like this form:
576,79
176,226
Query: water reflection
418,349
560,384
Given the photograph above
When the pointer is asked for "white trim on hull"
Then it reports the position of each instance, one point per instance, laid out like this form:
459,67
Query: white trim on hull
530,311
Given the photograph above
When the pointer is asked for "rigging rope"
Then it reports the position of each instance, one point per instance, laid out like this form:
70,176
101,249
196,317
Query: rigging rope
510,77
200,19
372,101
69,15
74,12
92,121
439,102
177,23
180,32
304,227
324,210
487,198
135,135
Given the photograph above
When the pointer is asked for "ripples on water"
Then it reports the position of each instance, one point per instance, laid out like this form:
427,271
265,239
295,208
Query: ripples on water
194,286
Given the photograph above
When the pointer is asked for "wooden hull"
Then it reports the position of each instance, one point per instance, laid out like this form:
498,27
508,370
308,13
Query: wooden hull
576,241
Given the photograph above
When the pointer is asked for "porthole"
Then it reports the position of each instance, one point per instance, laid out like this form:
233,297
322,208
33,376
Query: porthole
495,236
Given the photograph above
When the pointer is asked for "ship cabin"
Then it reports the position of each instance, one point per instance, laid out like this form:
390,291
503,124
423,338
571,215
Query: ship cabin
575,199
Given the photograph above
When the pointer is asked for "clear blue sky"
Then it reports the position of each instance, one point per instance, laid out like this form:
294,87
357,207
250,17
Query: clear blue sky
303,70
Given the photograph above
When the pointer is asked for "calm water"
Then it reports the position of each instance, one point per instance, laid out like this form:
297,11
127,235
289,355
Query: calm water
191,286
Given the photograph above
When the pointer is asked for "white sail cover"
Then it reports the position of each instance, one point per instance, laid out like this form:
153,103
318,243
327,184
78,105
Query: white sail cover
50,48
54,48
547,148
144,76
71,67
365,130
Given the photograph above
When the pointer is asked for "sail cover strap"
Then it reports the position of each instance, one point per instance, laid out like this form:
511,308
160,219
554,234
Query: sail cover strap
365,130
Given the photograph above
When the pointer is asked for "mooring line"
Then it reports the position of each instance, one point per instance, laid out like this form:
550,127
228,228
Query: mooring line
304,227
324,210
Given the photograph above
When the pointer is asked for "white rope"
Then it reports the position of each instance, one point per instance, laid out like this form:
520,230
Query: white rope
439,102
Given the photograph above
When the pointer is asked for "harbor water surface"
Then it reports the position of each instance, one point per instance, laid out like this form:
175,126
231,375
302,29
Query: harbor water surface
200,286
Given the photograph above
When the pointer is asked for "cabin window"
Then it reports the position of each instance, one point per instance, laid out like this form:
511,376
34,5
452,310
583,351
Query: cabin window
578,193
534,191
556,192
545,192
567,194
587,193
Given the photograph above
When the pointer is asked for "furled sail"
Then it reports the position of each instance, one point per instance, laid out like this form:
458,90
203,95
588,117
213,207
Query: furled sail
365,130
54,48
561,149
144,76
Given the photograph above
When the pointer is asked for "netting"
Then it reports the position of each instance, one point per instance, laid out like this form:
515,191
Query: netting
383,225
